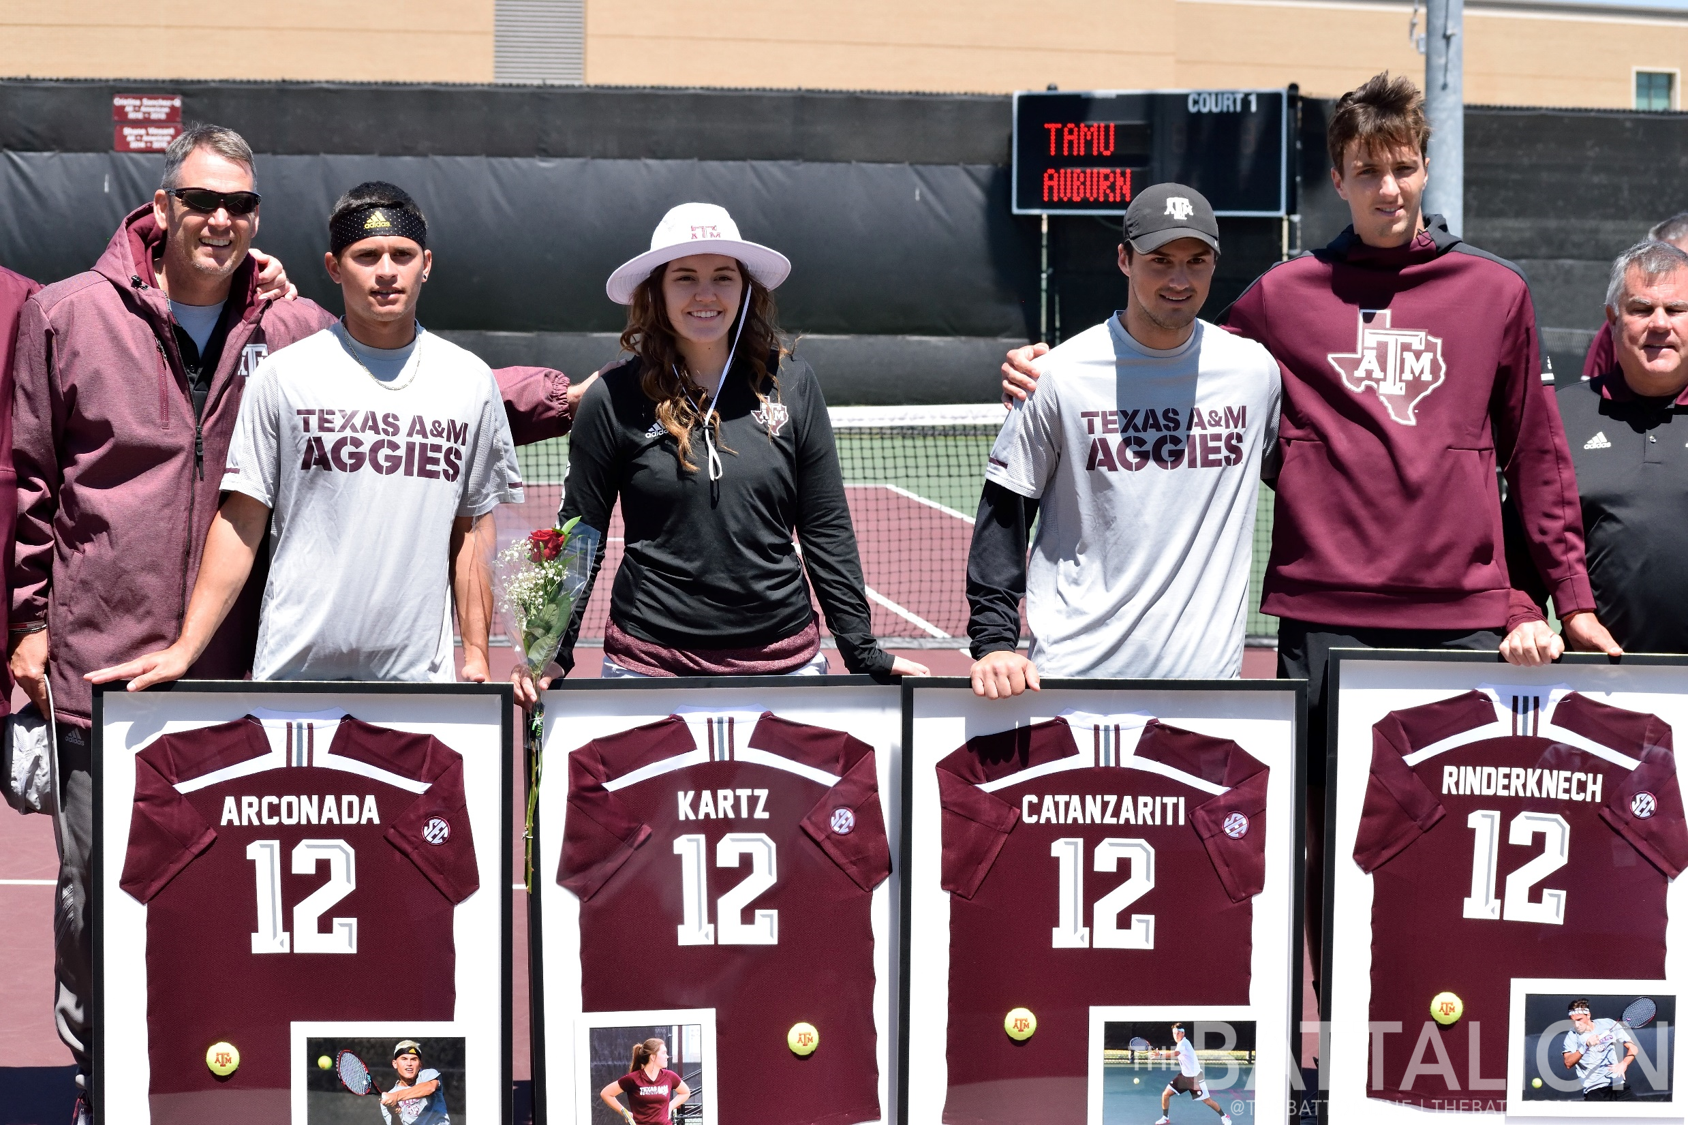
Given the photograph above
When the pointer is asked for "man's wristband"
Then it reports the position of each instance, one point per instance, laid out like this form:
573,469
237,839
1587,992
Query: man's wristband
26,627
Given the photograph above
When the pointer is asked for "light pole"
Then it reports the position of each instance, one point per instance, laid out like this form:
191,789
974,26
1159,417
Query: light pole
1444,95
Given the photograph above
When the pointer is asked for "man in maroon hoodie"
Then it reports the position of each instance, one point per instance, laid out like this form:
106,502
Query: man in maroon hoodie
1411,371
128,382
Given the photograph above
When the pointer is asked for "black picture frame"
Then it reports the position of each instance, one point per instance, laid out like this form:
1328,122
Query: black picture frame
536,923
1298,889
505,693
1333,698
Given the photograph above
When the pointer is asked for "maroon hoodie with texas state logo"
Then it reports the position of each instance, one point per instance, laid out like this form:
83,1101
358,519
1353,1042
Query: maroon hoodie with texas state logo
1410,373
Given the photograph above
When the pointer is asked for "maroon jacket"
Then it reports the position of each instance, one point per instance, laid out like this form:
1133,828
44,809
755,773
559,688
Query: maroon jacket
1409,374
15,289
1602,353
117,482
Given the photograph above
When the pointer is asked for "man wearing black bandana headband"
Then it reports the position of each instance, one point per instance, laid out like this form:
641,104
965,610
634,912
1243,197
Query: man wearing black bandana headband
381,451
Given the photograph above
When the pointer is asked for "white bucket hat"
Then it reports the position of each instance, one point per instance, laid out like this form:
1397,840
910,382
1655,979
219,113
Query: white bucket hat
697,228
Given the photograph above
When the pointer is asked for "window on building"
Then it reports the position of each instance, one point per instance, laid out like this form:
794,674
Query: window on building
539,41
1653,89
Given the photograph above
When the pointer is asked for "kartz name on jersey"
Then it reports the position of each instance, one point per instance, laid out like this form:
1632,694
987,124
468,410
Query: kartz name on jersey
1402,365
1196,438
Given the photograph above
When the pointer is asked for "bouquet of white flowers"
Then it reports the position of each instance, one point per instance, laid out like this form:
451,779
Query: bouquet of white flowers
539,579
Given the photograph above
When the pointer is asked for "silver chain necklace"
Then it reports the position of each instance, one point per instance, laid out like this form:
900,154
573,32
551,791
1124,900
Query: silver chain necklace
346,342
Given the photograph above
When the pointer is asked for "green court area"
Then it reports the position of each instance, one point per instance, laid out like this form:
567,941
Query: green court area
1131,1093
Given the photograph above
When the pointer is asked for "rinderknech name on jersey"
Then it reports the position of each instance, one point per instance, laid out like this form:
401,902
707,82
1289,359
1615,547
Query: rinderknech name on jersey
1517,781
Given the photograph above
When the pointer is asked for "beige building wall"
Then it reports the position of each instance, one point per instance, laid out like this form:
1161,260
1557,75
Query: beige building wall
396,41
1517,53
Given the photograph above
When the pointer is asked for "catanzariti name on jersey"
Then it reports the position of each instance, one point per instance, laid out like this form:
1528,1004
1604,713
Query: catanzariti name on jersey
1100,808
1518,781
723,804
306,808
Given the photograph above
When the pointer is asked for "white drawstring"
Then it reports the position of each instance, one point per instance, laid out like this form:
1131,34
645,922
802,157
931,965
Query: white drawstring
715,469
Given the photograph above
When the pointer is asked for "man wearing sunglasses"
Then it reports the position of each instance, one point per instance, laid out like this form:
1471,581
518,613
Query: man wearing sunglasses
129,380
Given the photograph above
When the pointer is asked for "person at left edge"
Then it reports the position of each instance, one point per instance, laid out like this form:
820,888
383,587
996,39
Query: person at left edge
15,289
418,1097
1140,457
716,441
381,451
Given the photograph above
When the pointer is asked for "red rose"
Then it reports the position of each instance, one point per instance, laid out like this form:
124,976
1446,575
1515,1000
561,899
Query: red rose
546,544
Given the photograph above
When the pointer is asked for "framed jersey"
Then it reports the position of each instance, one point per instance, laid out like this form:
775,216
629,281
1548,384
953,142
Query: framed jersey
716,901
1493,828
301,903
1103,912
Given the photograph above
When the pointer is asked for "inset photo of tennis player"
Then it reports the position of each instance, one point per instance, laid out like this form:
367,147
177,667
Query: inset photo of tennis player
1195,1068
1592,1048
645,1068
366,1080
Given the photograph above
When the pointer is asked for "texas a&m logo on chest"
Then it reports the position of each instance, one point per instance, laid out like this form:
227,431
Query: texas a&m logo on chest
1402,365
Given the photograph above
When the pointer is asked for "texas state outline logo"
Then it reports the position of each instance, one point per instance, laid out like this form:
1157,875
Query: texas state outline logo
1402,365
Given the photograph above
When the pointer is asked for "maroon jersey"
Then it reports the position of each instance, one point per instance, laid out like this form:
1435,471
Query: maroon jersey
647,1097
1509,832
1114,863
283,871
735,871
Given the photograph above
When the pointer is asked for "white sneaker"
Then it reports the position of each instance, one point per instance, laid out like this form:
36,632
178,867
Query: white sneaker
1164,1121
1224,1119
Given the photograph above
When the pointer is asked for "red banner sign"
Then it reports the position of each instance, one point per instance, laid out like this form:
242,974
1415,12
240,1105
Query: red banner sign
145,138
146,107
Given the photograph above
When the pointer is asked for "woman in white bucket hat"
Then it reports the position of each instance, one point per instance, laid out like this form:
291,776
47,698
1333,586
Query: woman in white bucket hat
716,441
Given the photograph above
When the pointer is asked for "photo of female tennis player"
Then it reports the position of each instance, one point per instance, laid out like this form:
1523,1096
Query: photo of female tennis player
655,1094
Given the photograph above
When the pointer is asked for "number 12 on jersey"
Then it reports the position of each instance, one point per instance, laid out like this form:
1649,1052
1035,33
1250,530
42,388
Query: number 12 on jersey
695,928
1104,931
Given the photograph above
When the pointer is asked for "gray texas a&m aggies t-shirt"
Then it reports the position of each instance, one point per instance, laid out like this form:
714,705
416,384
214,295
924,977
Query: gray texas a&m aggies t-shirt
1147,466
365,466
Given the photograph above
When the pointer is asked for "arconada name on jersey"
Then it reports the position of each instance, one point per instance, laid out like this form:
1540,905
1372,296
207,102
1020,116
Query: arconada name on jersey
1402,365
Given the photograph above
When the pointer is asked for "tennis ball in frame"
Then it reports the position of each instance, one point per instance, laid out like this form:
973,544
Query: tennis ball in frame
1535,1083
223,1059
324,1062
803,1039
1446,1008
1020,1024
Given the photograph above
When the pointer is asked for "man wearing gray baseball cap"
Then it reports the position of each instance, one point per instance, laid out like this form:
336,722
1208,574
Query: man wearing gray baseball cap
1141,454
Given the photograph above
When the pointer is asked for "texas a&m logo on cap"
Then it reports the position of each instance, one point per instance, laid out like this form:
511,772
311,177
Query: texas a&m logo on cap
437,831
1402,365
1236,826
1179,207
709,230
1644,805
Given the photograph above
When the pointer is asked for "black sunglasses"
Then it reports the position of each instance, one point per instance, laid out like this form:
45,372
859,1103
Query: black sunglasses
206,201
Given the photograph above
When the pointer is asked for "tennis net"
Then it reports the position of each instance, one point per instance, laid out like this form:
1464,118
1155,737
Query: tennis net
912,476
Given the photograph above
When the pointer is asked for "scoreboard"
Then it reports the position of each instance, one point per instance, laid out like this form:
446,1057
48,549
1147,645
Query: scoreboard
1090,153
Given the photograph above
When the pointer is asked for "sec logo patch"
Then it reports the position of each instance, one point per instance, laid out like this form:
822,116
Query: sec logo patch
843,821
437,831
1644,804
1236,826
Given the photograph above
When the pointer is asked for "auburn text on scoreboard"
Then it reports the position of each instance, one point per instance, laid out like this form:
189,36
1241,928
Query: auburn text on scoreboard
1092,152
